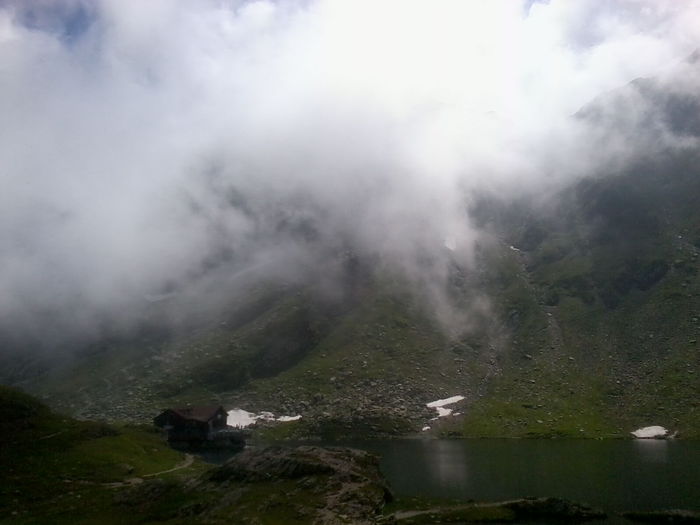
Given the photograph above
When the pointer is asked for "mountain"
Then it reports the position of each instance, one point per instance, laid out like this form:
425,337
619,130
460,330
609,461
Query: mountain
610,273
580,317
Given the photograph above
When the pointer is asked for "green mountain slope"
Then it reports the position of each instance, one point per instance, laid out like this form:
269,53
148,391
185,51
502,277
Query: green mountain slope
612,271
580,317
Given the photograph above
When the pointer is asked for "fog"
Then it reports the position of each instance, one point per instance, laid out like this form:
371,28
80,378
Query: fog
149,149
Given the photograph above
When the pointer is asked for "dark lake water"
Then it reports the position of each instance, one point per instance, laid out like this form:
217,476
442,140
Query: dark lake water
614,475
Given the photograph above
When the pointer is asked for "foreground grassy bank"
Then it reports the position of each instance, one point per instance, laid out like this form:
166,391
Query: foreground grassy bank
54,469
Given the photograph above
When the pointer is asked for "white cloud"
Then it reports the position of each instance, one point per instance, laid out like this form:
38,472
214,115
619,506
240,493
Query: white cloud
126,137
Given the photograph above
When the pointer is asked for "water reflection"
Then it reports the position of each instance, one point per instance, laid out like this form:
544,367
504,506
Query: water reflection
448,464
615,475
652,450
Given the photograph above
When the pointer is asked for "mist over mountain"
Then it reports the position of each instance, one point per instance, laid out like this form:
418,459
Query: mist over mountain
347,208
178,150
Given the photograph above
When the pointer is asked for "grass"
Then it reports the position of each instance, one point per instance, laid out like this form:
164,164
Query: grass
53,469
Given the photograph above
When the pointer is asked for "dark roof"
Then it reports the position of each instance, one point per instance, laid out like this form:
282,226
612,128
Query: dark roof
199,413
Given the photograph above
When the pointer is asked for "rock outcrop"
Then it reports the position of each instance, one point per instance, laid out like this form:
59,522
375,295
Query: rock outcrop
347,482
302,485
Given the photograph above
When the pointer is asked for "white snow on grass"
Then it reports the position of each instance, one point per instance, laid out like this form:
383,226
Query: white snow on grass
242,418
285,419
651,432
266,416
443,402
442,412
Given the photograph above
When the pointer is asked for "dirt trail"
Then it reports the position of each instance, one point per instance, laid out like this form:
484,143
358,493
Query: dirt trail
189,459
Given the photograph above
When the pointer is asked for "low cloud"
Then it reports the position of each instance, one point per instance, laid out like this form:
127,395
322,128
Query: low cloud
153,146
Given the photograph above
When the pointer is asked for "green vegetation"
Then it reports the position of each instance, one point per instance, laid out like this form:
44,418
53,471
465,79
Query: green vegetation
54,469
613,270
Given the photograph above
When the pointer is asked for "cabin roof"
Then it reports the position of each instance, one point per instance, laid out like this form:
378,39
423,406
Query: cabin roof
198,413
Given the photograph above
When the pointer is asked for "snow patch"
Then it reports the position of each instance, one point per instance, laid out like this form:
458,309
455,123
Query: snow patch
285,419
443,402
242,418
652,432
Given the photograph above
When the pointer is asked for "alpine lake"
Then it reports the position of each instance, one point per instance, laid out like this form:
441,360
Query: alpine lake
613,475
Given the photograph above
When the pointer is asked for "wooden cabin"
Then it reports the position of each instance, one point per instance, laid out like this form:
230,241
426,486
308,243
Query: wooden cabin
198,426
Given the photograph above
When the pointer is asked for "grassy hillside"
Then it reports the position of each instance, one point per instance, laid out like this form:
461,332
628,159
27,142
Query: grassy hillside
611,276
378,358
54,469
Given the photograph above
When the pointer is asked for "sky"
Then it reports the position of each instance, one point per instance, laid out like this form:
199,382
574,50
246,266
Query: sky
151,148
